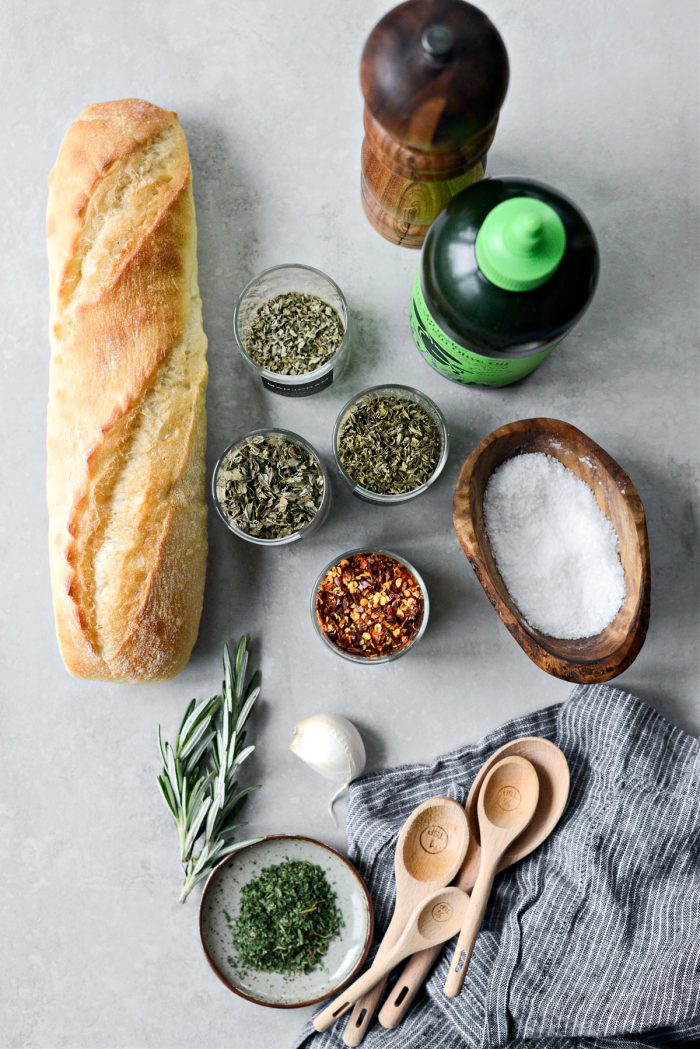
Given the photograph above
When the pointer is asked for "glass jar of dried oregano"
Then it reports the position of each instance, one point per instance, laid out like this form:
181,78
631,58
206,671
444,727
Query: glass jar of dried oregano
291,326
271,488
390,443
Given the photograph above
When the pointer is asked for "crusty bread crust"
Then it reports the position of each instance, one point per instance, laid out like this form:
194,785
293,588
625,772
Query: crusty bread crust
126,421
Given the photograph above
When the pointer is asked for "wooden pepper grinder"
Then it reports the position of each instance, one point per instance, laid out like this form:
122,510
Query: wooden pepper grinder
434,74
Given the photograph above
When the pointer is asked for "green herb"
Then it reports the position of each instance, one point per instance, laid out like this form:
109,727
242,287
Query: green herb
294,334
289,915
389,445
269,486
198,778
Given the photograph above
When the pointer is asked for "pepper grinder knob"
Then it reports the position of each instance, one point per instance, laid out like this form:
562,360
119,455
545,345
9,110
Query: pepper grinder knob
437,42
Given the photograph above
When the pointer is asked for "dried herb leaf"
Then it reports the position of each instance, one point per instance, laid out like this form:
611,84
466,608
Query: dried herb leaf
389,445
269,487
294,334
289,914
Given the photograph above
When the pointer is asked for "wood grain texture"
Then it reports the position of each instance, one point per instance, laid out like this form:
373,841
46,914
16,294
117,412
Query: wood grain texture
553,776
428,120
126,421
428,103
437,919
507,802
403,209
584,660
431,848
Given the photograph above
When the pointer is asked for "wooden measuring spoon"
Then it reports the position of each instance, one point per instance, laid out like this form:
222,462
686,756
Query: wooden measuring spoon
435,919
430,850
553,775
507,803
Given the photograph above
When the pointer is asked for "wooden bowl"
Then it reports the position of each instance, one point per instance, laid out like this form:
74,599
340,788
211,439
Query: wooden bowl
584,660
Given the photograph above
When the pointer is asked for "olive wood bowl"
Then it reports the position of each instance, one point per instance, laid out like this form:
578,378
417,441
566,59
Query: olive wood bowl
584,660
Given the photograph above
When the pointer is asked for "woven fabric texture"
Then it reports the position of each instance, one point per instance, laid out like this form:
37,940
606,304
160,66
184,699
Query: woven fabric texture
594,939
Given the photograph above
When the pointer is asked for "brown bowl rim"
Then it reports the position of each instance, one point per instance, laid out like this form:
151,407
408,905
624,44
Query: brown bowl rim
368,939
583,671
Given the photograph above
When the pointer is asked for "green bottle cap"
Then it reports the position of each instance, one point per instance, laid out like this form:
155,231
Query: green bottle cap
520,244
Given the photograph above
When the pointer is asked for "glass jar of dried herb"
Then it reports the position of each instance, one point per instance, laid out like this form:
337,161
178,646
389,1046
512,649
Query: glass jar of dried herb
291,326
370,606
271,488
390,443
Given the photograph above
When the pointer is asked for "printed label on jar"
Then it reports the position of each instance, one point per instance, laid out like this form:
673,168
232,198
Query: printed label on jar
458,363
302,389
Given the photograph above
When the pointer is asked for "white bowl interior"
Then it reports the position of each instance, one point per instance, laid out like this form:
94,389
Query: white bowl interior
221,906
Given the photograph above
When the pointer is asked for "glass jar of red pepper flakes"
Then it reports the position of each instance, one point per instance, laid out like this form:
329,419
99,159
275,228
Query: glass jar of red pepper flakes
370,606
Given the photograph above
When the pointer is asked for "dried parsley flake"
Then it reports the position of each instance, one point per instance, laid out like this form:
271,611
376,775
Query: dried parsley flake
389,445
269,487
294,334
289,915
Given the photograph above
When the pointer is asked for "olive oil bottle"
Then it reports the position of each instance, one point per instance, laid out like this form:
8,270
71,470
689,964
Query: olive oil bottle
506,271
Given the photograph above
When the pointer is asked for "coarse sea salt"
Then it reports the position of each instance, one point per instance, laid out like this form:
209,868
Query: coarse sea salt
556,550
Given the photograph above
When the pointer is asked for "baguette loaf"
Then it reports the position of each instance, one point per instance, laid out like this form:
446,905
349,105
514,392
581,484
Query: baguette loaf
126,420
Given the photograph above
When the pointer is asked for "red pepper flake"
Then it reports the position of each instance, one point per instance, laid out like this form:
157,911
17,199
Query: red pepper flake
369,605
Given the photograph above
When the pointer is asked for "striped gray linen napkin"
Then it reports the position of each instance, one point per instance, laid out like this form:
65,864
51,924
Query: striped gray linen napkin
594,939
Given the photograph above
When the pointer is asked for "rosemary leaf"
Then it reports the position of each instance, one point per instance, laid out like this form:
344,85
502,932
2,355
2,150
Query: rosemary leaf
198,778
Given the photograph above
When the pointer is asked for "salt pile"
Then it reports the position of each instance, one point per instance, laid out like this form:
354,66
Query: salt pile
556,550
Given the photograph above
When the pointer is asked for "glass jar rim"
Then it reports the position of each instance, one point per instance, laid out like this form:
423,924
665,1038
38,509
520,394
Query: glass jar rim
295,438
283,377
420,398
391,655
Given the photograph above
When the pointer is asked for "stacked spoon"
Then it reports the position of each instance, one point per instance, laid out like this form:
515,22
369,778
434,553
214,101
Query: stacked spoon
507,803
430,850
514,803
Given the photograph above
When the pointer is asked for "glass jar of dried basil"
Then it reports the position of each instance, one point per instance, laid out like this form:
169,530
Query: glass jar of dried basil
370,606
291,326
390,443
271,488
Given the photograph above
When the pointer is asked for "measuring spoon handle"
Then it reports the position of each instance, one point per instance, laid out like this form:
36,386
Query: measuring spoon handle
470,930
364,1009
362,1015
418,968
340,1005
413,975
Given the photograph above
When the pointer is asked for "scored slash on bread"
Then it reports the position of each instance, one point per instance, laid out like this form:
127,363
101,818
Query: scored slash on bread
126,421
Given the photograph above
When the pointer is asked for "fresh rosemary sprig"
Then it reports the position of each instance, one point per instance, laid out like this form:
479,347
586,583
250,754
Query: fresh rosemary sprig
198,778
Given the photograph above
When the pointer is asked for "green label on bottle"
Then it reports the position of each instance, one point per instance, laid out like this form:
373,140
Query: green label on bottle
458,363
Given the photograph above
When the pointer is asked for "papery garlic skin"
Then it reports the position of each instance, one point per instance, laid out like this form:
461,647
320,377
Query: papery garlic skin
332,747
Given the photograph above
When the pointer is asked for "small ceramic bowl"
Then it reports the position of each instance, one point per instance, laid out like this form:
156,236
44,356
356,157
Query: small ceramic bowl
373,660
220,906
428,406
280,280
302,533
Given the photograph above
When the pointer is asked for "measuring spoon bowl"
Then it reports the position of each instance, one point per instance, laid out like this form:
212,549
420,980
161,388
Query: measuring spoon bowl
433,921
553,775
431,843
429,852
507,803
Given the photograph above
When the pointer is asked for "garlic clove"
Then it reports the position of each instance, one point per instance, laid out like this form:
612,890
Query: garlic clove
332,747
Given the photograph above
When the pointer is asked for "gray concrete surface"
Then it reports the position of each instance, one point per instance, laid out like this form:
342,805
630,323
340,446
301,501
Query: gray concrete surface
603,104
